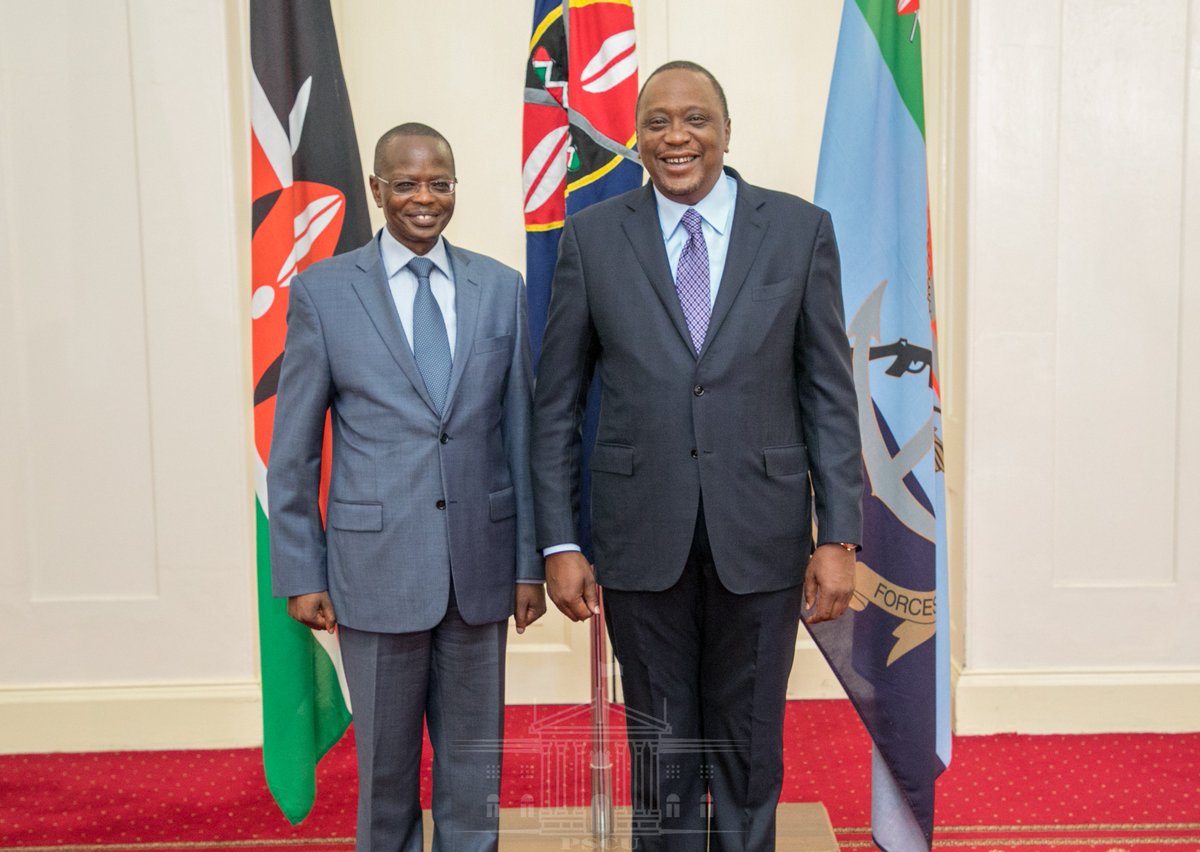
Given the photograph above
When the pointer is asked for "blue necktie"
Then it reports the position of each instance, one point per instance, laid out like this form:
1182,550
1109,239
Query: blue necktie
691,279
431,345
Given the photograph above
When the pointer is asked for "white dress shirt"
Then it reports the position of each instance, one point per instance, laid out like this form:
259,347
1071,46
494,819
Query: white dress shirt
403,282
716,221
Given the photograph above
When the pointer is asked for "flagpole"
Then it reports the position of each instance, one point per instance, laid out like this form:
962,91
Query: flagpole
601,763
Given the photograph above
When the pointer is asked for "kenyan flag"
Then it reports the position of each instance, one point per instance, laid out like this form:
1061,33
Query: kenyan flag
308,204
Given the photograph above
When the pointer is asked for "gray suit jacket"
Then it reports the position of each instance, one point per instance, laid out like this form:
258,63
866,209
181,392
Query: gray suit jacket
759,423
413,494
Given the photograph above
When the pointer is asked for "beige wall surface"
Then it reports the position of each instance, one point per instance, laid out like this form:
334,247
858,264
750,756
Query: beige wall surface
125,512
1063,172
1082,368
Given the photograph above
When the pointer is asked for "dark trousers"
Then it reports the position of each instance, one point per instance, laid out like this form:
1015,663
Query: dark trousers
705,676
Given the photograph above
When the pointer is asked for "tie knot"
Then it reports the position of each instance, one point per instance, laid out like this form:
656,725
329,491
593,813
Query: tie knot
421,267
691,223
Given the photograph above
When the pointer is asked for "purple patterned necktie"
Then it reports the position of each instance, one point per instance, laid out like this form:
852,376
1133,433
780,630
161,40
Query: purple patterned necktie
691,279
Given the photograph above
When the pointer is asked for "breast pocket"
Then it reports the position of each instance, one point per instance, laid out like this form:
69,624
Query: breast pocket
493,344
773,290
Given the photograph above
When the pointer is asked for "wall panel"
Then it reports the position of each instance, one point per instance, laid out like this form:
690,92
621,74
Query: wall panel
1082,414
126,563
82,432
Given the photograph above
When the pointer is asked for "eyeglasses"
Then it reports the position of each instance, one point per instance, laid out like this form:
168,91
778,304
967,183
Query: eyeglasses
412,187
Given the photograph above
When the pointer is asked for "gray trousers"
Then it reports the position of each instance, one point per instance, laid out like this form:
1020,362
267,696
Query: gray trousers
452,679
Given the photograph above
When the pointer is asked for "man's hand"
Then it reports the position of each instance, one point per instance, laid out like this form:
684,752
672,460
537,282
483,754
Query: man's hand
828,583
531,604
572,585
314,610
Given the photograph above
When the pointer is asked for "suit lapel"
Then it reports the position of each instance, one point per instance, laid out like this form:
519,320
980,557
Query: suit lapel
376,296
645,235
467,294
745,239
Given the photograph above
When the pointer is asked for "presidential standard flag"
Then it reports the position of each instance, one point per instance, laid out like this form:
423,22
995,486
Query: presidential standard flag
308,203
892,652
578,139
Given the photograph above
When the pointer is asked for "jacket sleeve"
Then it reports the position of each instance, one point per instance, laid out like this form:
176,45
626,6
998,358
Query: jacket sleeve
564,375
516,423
827,397
298,563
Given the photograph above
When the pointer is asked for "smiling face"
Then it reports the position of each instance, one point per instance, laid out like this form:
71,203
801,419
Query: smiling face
683,134
416,220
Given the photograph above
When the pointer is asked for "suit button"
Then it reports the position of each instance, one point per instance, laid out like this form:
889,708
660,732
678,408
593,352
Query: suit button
698,390
695,454
444,438
441,504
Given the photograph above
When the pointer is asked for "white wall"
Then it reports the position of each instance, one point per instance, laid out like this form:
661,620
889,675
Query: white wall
125,509
1082,480
1063,167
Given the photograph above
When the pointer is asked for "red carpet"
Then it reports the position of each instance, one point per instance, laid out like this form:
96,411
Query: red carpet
1100,792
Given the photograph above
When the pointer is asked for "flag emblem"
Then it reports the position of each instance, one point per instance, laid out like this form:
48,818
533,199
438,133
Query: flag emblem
893,652
577,84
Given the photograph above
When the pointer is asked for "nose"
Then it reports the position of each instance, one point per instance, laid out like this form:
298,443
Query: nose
423,191
676,132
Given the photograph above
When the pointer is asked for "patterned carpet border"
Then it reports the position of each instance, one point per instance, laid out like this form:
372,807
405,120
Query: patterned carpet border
1109,837
1107,792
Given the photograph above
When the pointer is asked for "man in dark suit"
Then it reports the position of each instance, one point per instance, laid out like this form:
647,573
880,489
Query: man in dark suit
419,352
712,311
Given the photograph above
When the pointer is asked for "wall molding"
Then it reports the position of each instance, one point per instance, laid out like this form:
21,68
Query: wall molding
130,717
1077,702
139,717
811,677
228,714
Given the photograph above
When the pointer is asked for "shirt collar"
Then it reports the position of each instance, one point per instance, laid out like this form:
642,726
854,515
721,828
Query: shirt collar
713,208
396,255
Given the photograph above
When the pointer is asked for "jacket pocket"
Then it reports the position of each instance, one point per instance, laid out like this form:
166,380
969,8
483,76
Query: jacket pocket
787,460
774,290
357,517
612,458
502,504
491,344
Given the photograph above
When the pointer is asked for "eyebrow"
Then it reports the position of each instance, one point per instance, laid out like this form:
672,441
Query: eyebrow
686,108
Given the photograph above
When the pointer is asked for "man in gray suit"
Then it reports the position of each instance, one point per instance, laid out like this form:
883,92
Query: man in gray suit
419,352
712,311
